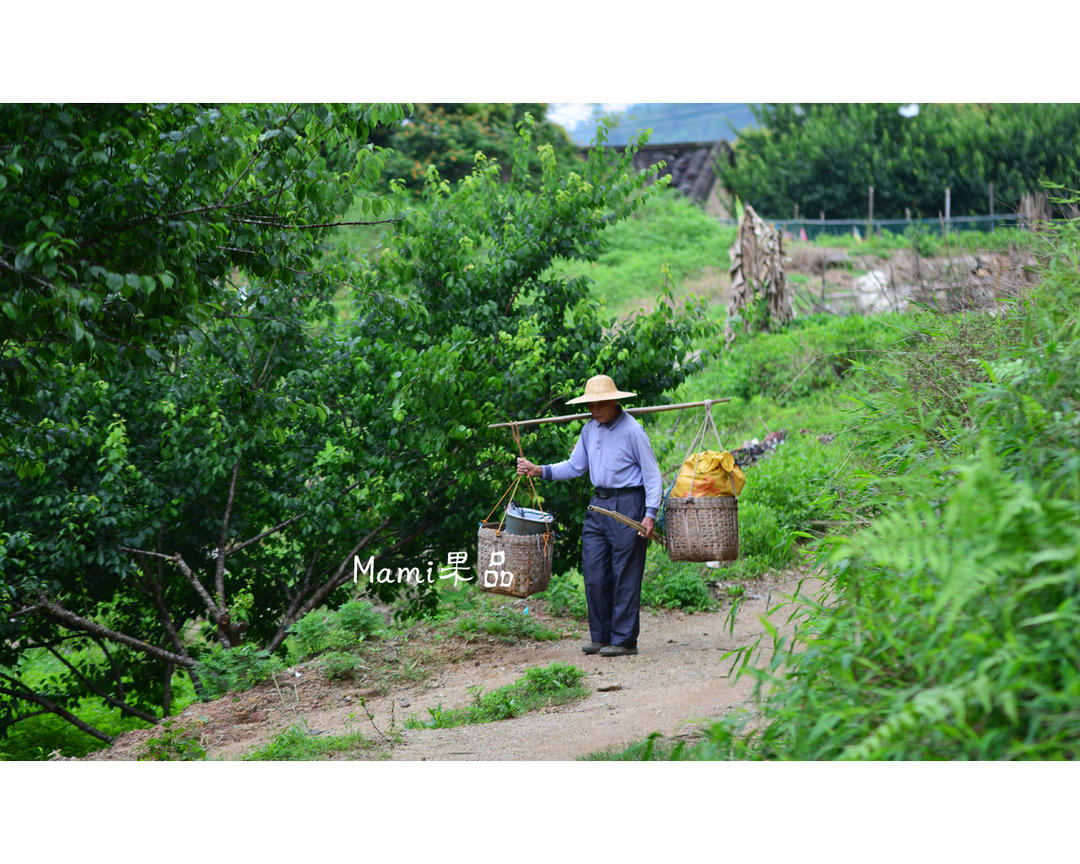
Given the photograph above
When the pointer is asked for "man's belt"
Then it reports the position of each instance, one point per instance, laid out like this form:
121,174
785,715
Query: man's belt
604,492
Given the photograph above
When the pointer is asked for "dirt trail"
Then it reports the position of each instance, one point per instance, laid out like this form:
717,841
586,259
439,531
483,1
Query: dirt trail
676,684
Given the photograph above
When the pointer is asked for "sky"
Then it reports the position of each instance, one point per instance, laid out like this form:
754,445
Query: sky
570,114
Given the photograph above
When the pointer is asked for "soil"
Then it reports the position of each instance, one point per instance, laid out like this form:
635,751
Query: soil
678,682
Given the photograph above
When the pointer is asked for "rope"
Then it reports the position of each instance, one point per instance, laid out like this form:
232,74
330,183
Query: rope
512,490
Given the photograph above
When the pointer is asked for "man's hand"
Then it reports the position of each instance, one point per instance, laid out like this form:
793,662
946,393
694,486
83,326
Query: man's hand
524,466
648,522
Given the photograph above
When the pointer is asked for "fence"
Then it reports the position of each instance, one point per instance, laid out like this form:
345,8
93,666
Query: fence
837,227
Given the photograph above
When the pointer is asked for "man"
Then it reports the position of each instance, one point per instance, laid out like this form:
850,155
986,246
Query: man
615,450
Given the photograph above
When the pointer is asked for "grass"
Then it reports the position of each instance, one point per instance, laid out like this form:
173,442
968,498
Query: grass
36,738
667,231
655,748
555,684
298,744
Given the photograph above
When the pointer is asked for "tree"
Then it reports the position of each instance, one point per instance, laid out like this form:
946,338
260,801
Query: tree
447,137
240,480
823,157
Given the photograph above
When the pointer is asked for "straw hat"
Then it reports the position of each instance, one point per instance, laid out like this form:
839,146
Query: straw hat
600,388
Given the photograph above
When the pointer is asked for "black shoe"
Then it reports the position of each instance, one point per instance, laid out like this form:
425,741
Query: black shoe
617,651
593,648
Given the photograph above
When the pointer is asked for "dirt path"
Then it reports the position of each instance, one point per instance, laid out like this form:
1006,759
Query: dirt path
676,684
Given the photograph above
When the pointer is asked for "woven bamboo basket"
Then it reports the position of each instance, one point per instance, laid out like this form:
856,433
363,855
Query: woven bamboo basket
525,566
702,529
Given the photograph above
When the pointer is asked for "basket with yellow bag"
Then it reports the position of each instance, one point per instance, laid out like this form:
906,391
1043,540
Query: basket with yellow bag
701,509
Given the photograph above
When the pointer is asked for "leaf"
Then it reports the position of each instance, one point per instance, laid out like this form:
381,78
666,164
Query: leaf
72,201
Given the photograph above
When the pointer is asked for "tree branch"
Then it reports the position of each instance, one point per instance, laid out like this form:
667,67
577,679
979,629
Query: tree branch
219,570
116,703
254,156
298,611
274,223
234,549
77,622
215,611
28,695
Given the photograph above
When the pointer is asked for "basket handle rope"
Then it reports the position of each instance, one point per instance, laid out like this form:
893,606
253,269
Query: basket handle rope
707,421
512,490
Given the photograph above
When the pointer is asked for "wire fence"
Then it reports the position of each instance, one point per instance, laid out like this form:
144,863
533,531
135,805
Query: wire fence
837,227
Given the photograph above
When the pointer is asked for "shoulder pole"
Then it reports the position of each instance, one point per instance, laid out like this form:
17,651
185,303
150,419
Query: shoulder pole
647,409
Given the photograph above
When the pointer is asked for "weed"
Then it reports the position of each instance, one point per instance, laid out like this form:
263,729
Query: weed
175,743
504,623
240,668
675,585
565,595
338,630
297,743
338,665
954,632
655,748
555,684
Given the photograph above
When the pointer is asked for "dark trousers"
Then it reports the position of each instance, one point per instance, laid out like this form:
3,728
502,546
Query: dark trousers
613,563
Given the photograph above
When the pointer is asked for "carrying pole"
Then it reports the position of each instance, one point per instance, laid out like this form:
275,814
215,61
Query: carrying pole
647,409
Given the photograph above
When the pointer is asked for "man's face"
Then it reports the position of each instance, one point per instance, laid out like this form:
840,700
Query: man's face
604,412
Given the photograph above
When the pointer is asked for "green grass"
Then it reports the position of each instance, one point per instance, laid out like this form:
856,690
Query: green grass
655,748
37,737
538,688
952,631
667,231
298,744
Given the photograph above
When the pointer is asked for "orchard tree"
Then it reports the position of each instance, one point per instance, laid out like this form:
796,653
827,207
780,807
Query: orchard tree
824,157
447,137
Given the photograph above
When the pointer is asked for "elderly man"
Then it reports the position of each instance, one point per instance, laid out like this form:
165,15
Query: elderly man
615,450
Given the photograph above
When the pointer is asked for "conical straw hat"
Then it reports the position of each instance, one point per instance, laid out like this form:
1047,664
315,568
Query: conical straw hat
600,388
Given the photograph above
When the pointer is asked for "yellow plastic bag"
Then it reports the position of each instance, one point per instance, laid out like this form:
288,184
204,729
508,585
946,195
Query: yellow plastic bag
715,473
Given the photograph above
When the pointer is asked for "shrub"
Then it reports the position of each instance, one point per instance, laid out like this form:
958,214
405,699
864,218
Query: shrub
239,668
565,595
675,585
340,664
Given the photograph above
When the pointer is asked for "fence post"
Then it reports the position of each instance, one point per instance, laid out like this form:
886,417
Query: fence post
948,202
870,225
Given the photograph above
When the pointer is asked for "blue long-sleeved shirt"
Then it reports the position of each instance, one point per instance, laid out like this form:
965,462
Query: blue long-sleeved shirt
616,455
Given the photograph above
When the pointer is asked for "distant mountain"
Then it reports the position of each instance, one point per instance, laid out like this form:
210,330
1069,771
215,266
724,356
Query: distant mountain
672,122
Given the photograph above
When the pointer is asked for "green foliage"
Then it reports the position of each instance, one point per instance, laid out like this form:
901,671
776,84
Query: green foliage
565,595
653,749
340,665
296,743
226,669
123,224
229,463
175,743
946,629
823,157
539,687
448,136
340,629
812,353
674,584
505,623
